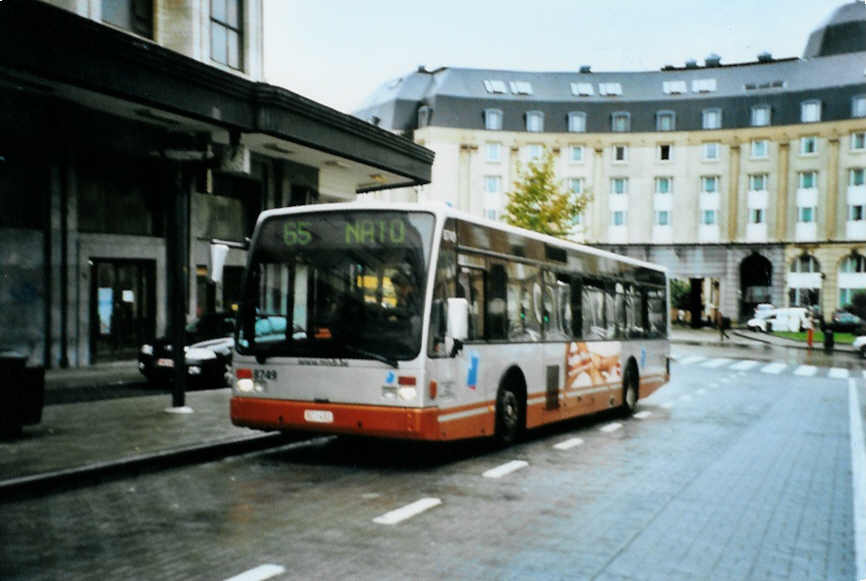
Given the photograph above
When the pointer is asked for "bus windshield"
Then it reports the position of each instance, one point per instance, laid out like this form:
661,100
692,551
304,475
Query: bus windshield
337,284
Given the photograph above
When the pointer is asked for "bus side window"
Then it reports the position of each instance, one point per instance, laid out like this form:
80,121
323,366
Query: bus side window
497,320
593,312
470,285
611,321
522,322
620,312
657,315
575,324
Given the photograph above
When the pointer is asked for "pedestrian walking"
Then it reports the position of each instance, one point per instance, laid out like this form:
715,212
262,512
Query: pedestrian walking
723,324
810,330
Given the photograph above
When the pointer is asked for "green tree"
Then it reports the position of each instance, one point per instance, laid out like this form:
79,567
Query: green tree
539,202
680,293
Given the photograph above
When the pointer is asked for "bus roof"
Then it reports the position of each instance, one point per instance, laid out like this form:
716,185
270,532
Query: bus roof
444,211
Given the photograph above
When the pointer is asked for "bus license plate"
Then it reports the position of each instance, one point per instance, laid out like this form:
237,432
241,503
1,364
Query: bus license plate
165,363
319,416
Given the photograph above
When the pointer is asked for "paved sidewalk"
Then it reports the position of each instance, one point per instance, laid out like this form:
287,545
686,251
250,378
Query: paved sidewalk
742,338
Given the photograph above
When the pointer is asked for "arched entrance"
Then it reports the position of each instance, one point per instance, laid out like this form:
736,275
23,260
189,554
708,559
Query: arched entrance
756,281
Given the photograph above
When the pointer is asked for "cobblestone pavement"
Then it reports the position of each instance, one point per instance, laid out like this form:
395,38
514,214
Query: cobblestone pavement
724,474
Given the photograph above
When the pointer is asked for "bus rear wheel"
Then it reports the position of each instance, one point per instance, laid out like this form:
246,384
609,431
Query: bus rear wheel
630,391
509,416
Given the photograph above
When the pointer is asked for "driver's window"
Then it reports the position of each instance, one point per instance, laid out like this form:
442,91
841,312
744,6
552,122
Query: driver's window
444,287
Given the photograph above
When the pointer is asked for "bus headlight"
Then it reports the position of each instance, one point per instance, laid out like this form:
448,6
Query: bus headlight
407,393
244,385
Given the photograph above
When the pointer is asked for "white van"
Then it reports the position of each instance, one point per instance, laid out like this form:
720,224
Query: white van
793,319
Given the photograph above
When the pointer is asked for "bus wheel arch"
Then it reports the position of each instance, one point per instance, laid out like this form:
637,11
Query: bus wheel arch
630,387
510,406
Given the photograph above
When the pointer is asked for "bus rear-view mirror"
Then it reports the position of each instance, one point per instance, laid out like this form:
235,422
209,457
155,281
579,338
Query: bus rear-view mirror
458,319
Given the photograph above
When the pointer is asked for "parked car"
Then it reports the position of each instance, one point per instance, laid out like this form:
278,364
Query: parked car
208,354
762,310
845,322
791,319
860,345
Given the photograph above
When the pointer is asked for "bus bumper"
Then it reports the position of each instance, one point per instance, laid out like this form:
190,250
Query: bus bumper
378,421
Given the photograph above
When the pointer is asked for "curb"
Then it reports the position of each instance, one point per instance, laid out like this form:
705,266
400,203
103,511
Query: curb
795,344
58,480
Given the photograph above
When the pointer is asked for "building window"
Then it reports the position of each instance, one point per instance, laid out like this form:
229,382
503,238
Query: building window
810,111
520,87
425,114
760,115
674,87
756,216
759,149
576,122
758,182
665,152
711,119
858,141
492,184
582,89
703,85
808,180
853,263
805,214
708,217
620,153
711,151
136,16
664,185
855,177
808,145
494,152
494,86
858,106
493,119
620,122
663,218
225,32
576,153
535,121
709,184
805,263
618,185
534,151
665,121
490,214
610,89
855,213
575,185
618,218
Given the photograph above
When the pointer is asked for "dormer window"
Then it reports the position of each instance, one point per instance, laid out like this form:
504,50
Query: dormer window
493,119
703,85
521,87
495,86
674,87
610,89
810,111
534,121
665,121
711,119
620,122
425,114
760,115
858,106
577,122
582,89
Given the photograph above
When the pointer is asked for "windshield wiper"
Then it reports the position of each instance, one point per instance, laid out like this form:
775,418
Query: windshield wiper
371,355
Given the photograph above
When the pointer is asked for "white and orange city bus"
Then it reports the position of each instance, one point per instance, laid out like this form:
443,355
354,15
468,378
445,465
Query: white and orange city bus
418,322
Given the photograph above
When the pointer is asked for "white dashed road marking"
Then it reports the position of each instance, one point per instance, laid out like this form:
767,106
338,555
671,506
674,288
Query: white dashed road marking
643,415
744,365
568,444
668,405
806,370
406,512
716,362
260,573
774,368
838,373
506,468
611,427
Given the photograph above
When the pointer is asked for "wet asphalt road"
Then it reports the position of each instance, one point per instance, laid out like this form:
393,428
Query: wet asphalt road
724,474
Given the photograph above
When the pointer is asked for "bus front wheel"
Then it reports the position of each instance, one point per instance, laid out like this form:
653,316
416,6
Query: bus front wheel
630,390
509,416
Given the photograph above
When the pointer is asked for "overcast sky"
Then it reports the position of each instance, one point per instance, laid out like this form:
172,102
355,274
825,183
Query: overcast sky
337,52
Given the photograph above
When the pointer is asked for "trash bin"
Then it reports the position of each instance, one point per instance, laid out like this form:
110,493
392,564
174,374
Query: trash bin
829,340
22,392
